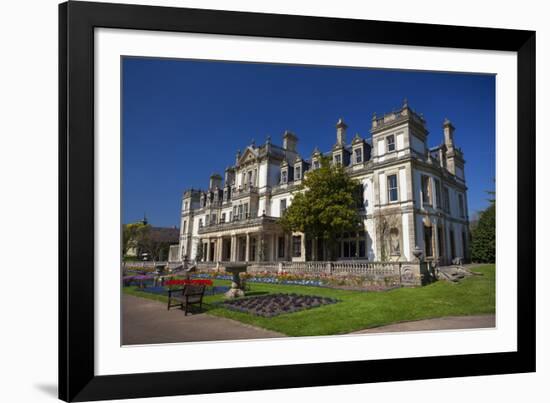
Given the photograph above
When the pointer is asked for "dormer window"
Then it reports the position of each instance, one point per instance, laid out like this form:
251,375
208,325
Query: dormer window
316,164
297,172
338,160
390,143
284,176
358,155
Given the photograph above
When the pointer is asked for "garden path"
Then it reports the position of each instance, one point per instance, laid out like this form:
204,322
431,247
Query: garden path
446,323
146,321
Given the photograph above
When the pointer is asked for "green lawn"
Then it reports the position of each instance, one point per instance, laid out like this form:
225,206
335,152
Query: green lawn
360,310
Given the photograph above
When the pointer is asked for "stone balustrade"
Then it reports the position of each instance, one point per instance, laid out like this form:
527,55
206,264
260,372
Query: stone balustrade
409,273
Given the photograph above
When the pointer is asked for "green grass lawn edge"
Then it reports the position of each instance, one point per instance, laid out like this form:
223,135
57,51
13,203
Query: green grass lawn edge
360,310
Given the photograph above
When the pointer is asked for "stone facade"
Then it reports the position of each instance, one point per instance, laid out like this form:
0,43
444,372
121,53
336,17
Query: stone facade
412,196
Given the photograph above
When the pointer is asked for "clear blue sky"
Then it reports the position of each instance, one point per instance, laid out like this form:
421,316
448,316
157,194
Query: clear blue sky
184,120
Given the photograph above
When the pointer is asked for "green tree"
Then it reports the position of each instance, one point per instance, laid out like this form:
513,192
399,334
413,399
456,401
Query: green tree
131,235
484,236
324,205
150,242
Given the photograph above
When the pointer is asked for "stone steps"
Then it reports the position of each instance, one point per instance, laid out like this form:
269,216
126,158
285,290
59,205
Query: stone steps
453,273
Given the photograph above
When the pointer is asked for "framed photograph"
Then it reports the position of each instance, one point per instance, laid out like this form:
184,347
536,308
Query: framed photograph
258,201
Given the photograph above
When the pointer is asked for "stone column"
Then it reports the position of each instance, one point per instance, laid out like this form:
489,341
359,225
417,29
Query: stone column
247,249
288,242
276,246
273,247
219,248
443,242
268,248
233,248
436,238
208,250
303,247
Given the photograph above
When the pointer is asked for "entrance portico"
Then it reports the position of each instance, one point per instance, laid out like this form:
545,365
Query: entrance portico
252,240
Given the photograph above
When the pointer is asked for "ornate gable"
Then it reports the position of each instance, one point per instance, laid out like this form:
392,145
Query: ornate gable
249,155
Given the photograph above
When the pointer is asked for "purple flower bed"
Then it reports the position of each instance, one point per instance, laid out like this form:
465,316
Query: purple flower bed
275,280
265,280
277,304
141,279
209,276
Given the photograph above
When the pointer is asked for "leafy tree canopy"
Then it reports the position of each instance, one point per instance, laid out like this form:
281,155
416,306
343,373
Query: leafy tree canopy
142,237
131,234
325,204
484,236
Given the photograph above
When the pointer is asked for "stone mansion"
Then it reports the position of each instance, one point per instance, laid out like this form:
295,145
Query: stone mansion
413,197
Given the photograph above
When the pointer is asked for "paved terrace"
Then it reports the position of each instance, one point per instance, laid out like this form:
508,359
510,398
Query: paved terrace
146,321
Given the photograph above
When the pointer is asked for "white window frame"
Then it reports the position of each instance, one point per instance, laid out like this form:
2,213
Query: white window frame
391,188
297,172
360,150
427,194
284,176
281,208
388,144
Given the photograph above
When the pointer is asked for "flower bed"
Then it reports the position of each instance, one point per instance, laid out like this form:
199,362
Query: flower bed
139,279
277,304
354,282
267,278
218,276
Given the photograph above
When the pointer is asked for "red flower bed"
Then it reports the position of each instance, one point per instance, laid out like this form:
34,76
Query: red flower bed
185,282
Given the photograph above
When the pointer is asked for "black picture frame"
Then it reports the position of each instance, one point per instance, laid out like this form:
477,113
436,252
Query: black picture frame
77,21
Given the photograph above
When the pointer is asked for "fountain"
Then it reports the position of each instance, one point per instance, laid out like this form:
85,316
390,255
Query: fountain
236,287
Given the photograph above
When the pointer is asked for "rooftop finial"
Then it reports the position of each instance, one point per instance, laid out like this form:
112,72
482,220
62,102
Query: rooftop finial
341,123
341,133
405,103
237,156
268,139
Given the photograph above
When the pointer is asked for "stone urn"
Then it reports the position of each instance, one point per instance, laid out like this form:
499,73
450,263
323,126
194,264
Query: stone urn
236,287
417,252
